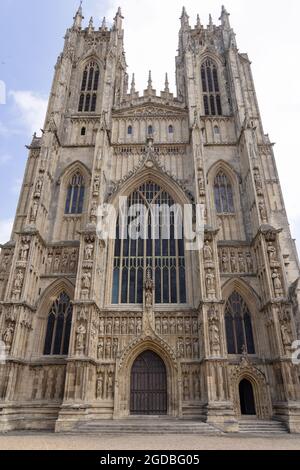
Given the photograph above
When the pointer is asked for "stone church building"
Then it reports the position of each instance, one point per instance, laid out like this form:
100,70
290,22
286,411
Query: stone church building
99,329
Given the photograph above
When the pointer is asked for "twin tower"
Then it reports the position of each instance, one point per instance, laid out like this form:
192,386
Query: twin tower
96,329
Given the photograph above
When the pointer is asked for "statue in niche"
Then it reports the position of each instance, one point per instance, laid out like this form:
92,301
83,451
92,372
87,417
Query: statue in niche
80,338
24,250
64,262
94,211
100,385
249,262
214,338
110,385
195,326
57,262
117,326
19,281
8,336
180,325
263,211
38,188
188,347
210,283
187,326
115,347
172,326
225,263
273,258
165,326
88,252
108,348
101,348
186,387
242,266
285,334
86,280
196,348
207,252
258,182
101,326
124,326
109,326
180,348
34,211
131,326
96,187
233,262
277,283
139,326
73,260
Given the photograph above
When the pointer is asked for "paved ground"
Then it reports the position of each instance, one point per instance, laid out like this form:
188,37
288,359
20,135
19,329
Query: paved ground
48,441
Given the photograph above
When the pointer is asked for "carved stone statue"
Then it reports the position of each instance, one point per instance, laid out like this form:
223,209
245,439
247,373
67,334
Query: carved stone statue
233,262
100,385
110,385
101,348
8,336
115,347
225,263
34,211
94,211
24,250
86,280
258,182
273,259
242,266
207,252
19,281
210,283
249,262
180,348
38,188
96,187
263,212
88,252
277,283
80,338
214,333
285,334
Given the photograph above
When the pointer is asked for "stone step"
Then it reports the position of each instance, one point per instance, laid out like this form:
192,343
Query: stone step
142,427
262,427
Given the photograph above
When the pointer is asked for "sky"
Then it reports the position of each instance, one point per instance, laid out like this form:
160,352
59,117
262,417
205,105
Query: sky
31,38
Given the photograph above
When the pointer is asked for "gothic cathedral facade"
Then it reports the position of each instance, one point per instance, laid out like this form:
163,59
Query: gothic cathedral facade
101,329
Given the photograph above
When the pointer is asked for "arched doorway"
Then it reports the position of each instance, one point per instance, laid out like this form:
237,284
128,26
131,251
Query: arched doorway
247,401
148,387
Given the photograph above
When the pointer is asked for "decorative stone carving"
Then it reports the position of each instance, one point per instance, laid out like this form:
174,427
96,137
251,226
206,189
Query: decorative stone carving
201,182
235,260
100,385
273,258
89,248
148,316
85,284
208,255
8,336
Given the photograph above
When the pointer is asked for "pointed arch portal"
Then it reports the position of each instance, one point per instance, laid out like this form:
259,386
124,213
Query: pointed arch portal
148,390
247,401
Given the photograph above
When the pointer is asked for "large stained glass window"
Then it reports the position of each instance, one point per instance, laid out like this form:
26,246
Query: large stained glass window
238,326
59,327
159,247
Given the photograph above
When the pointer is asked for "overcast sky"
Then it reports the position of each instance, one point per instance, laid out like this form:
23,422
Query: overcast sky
31,38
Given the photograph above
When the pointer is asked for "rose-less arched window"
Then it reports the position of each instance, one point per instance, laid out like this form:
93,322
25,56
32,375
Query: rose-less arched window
59,327
89,88
223,194
238,326
75,195
211,89
164,255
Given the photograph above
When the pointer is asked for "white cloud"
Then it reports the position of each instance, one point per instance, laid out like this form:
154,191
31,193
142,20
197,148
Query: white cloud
31,108
5,230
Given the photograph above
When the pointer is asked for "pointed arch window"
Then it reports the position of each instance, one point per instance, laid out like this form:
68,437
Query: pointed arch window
223,194
164,255
89,88
59,327
211,89
75,194
238,324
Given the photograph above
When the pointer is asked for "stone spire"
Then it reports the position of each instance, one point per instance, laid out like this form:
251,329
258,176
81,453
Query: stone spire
198,24
118,19
78,18
103,26
225,18
91,25
211,25
167,89
184,19
132,90
150,81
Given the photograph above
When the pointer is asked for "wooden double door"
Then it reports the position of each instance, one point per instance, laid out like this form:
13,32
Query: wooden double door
148,393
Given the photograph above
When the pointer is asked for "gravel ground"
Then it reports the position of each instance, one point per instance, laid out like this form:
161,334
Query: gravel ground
49,441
